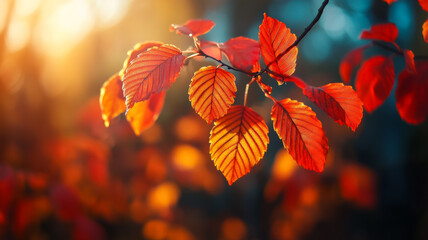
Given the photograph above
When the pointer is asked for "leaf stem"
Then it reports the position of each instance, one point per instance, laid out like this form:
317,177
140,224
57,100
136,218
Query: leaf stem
246,91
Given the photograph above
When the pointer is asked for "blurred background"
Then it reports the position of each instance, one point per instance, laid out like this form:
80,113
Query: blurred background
63,175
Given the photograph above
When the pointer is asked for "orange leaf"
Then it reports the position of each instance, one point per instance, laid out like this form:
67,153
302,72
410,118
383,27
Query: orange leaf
133,53
389,1
151,72
340,102
211,92
193,28
112,101
349,62
275,38
410,61
375,80
238,141
387,32
425,30
412,94
424,4
242,52
301,133
144,114
211,48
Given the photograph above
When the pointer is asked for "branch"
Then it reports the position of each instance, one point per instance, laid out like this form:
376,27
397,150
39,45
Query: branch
396,51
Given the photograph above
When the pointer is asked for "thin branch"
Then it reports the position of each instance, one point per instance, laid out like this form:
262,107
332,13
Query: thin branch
202,53
396,51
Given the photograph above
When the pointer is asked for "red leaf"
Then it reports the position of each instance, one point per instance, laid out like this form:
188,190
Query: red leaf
137,50
112,101
349,62
389,1
410,61
193,28
211,92
238,142
144,114
151,72
275,38
375,80
242,52
424,4
425,30
387,32
412,94
340,102
301,133
211,48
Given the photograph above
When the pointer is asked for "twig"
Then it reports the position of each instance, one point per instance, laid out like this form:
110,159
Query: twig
396,51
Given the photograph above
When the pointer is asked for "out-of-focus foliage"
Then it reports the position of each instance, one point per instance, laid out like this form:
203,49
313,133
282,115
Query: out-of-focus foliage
64,175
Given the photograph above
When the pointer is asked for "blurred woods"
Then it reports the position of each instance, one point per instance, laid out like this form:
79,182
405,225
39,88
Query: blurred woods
63,175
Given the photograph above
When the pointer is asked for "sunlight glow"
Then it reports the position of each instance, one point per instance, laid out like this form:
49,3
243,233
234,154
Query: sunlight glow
60,30
18,34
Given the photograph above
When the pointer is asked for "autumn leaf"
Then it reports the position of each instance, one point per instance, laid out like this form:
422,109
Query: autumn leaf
112,101
193,28
211,92
409,60
211,48
424,5
144,114
137,50
387,32
301,133
238,142
340,102
375,80
275,38
425,30
242,52
349,62
151,72
412,94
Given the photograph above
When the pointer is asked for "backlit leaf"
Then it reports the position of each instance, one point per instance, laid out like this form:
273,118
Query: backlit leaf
112,101
144,114
211,92
340,102
137,50
301,133
242,52
151,72
238,141
211,48
424,4
349,62
375,80
274,39
387,32
412,94
410,61
425,30
193,28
